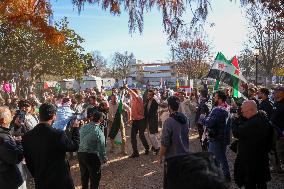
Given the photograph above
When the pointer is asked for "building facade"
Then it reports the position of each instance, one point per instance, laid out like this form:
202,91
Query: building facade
156,74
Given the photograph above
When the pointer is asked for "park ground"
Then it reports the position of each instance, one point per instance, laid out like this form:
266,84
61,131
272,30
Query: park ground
145,172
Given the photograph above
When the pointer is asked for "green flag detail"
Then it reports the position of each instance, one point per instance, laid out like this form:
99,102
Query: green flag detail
227,71
120,106
217,84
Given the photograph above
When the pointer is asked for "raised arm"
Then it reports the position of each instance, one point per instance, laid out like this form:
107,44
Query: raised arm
70,144
131,92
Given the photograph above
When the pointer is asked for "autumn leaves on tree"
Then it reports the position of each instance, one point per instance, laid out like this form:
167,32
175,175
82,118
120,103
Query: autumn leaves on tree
30,43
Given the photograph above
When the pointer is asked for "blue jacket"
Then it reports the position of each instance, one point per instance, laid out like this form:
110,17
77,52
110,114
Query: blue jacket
64,115
218,124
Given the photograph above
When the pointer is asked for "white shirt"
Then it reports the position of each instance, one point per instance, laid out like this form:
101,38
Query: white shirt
31,121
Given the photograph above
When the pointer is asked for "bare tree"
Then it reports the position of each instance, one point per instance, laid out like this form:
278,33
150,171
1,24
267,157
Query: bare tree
269,41
97,64
247,62
192,55
121,64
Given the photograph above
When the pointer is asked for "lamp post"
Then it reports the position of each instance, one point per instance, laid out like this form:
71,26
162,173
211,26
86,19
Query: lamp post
256,54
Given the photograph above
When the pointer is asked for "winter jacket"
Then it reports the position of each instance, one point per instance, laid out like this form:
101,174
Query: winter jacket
11,153
201,109
175,135
45,150
92,140
267,106
218,124
151,115
277,117
252,162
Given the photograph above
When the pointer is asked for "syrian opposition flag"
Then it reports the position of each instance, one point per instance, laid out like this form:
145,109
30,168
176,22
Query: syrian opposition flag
117,121
228,72
235,63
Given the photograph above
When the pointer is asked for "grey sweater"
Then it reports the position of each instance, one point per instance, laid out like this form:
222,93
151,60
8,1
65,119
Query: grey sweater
175,135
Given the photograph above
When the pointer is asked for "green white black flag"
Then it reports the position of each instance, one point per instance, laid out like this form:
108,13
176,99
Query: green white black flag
224,71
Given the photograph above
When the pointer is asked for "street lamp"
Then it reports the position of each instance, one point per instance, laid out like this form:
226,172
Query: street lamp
256,54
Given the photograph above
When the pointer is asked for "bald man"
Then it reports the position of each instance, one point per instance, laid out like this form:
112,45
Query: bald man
254,135
249,109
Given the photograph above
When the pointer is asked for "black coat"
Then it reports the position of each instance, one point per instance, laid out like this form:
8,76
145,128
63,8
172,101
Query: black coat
11,153
267,106
44,151
252,162
201,109
151,116
277,115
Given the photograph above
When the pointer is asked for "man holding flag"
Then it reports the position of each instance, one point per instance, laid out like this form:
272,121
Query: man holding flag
116,121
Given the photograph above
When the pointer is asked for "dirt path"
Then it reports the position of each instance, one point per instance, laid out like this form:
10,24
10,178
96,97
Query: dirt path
145,172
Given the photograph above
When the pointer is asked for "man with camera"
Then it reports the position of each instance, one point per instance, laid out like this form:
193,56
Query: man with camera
254,132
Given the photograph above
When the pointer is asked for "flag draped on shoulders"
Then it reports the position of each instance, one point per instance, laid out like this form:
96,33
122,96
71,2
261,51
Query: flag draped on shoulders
228,72
117,121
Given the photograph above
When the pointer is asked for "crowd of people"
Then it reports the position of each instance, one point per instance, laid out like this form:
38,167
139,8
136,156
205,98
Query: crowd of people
39,133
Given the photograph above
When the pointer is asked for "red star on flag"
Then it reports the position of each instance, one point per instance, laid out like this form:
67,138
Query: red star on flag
221,66
237,72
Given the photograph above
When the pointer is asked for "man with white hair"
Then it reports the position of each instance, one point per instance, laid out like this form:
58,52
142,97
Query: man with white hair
254,135
11,153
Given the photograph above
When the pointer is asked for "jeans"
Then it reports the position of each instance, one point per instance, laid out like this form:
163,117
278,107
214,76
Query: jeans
138,126
90,168
218,148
